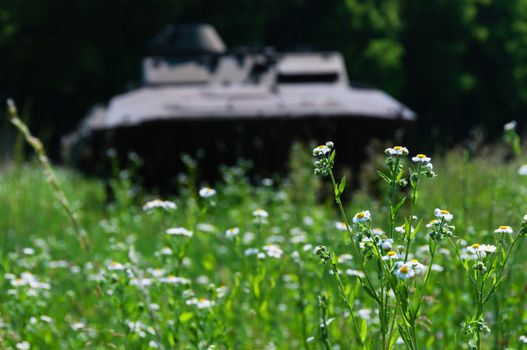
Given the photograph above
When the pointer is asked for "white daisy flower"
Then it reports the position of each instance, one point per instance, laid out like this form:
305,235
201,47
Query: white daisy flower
522,170
153,344
165,251
504,229
201,303
260,213
391,255
179,231
202,279
231,232
432,223
345,257
308,220
341,226
46,319
421,158
77,326
115,266
523,339
396,151
171,279
403,270
365,314
207,192
474,252
510,125
437,268
362,216
443,214
267,182
206,227
385,244
156,272
23,345
321,150
157,203
55,264
248,237
141,282
273,251
251,251
488,248
355,273
402,229
417,266
377,231
28,251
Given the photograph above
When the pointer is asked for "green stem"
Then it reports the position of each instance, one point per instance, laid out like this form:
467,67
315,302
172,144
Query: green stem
347,302
502,268
354,245
392,204
393,324
412,209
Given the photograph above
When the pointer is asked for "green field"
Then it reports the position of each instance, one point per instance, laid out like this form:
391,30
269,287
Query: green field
246,281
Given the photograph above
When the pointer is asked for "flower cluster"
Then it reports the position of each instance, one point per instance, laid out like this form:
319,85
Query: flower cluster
439,227
422,166
158,203
323,253
396,151
324,164
477,251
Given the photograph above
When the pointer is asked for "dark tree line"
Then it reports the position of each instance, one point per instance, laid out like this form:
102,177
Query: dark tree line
459,64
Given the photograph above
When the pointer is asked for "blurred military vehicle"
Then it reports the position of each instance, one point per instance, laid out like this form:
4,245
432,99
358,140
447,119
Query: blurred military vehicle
198,97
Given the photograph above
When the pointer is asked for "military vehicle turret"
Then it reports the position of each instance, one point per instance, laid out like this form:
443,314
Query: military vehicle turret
232,103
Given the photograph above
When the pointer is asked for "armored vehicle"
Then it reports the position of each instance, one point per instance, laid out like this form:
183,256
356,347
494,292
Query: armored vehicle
199,96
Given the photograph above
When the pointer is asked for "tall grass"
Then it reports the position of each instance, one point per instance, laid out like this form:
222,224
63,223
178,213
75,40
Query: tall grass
245,280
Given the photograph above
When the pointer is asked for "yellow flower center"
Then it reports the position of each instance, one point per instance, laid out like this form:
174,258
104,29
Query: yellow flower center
414,261
398,148
391,253
432,221
442,211
404,269
504,227
420,155
321,147
201,300
476,246
361,215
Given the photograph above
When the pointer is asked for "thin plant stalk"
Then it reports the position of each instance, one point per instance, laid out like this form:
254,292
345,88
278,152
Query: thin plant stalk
37,146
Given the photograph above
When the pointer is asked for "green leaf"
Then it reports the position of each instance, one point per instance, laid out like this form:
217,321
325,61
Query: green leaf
342,185
384,176
332,156
363,330
416,229
256,287
400,204
185,316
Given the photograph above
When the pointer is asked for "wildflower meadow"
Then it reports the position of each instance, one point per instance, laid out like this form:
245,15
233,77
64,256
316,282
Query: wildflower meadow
428,255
